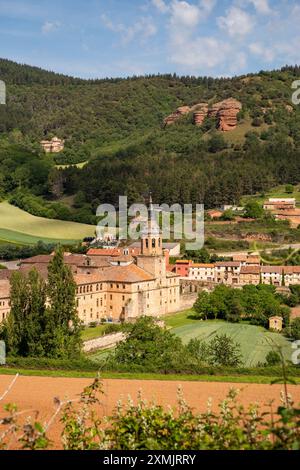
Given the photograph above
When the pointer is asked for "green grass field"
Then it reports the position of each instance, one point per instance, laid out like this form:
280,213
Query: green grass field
17,226
277,192
255,341
92,333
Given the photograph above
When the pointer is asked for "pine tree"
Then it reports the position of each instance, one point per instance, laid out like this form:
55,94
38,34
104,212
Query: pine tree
63,332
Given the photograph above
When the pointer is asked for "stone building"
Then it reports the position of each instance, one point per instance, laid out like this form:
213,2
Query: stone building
249,275
54,145
117,287
276,323
4,299
202,272
227,272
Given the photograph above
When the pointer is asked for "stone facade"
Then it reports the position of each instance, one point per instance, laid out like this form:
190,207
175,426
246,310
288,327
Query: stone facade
118,288
55,145
4,299
276,323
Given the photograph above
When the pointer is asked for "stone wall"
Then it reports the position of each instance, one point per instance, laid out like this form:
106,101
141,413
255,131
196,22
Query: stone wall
105,342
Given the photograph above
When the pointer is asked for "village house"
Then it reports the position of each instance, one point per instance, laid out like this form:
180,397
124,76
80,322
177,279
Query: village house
227,272
182,267
249,275
202,272
291,276
275,204
272,275
54,145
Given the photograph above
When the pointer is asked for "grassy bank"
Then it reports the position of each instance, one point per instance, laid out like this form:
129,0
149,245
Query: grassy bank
256,379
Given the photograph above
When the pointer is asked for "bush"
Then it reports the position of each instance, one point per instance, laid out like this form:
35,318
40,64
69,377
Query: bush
35,363
273,358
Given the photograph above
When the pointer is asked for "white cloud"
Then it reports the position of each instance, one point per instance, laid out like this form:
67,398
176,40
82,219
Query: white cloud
262,51
237,22
261,6
207,6
184,14
201,53
144,27
161,5
50,27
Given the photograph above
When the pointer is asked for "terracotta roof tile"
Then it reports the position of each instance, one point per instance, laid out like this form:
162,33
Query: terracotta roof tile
4,289
250,270
202,265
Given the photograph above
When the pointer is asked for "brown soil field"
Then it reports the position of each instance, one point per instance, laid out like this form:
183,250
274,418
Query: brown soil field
38,393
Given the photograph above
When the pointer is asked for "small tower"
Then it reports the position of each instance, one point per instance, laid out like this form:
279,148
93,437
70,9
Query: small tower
152,258
151,239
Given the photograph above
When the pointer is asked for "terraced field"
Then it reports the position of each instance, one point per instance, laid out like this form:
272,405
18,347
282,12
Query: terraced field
255,341
17,226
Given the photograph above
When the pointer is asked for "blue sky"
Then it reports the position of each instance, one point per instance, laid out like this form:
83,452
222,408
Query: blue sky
100,38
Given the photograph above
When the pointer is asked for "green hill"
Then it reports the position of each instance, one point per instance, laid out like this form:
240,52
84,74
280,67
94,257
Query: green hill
116,126
17,226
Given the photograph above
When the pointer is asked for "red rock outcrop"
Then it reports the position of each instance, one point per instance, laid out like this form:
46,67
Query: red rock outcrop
225,112
200,113
182,111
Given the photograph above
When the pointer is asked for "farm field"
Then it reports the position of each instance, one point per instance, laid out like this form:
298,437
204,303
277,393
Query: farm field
255,341
40,392
17,226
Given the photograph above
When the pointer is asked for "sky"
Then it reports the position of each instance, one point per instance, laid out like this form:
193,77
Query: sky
117,38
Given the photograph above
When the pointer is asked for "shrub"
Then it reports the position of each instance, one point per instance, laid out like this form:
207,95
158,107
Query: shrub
273,358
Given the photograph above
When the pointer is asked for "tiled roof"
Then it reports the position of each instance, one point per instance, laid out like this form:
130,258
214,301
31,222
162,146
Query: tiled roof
272,269
250,270
122,259
127,274
104,252
292,269
89,278
6,273
202,265
227,264
240,258
4,289
41,268
45,259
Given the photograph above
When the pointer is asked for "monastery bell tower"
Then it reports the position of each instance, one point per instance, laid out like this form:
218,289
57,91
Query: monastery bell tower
151,238
152,258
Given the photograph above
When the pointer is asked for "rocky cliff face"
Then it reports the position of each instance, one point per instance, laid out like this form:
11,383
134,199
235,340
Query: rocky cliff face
182,111
225,111
200,113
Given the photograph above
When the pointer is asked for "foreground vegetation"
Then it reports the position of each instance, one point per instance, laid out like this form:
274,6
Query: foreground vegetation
147,426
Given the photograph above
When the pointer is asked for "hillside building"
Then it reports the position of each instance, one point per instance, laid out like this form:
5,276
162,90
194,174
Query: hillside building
54,145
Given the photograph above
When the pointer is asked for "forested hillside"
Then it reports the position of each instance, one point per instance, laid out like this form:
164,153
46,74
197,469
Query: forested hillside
117,126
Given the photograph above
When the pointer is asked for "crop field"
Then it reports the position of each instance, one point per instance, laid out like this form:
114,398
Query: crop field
17,226
255,341
40,393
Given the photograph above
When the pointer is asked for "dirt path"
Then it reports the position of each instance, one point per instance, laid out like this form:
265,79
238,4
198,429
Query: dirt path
37,393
